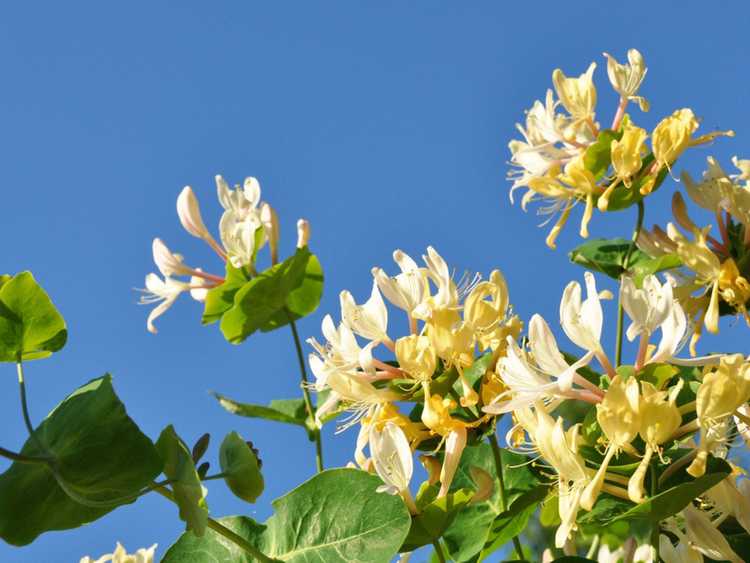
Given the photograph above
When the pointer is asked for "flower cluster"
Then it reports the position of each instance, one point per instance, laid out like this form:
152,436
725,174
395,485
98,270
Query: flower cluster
448,325
716,271
567,157
245,227
121,556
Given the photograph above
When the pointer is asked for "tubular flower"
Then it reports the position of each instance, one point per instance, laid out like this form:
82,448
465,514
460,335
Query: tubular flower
417,356
406,290
627,155
392,458
369,320
626,79
560,450
577,95
165,292
704,537
723,390
241,227
659,419
620,419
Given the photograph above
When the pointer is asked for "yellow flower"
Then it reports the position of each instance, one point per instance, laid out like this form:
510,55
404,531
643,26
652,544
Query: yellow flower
626,79
672,136
578,95
627,152
416,356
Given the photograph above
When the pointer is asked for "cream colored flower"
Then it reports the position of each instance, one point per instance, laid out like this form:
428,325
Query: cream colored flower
121,556
369,320
392,458
165,292
626,79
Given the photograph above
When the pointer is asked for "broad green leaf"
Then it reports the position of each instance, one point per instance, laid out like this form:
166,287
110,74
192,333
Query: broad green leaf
658,374
435,515
289,411
673,500
645,266
101,454
514,520
240,468
605,255
221,298
261,303
598,155
303,300
30,326
336,517
475,372
470,529
186,484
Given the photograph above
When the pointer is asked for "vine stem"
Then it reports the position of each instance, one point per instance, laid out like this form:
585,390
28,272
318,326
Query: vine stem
625,263
439,551
224,531
492,438
306,392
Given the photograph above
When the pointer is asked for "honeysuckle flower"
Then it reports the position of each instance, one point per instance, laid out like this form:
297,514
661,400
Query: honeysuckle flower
626,79
189,213
446,294
681,553
165,292
342,349
577,95
406,290
545,378
627,156
416,356
659,419
143,555
303,233
710,192
626,553
487,304
582,320
240,227
369,320
169,264
392,458
270,221
731,499
704,536
241,202
620,419
723,390
560,449
648,306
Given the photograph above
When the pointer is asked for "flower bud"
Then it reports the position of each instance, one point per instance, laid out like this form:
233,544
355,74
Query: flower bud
270,222
303,233
190,214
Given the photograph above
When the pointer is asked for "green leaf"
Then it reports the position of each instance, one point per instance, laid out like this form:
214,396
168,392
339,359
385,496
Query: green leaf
624,198
31,327
215,548
435,515
672,500
240,467
288,411
645,266
303,300
262,302
186,484
605,255
336,517
658,374
514,520
475,372
101,454
598,155
470,529
221,298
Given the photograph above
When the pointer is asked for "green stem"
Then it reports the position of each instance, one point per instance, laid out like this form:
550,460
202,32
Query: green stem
499,469
25,409
625,264
439,551
306,393
224,531
20,458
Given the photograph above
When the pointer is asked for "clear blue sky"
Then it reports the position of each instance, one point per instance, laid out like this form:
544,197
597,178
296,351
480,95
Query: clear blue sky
385,124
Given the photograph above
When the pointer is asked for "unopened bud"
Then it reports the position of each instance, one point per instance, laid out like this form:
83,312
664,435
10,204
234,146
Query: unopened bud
200,447
432,465
190,214
303,233
270,222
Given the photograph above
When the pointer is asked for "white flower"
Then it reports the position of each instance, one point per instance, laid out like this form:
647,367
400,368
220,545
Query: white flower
121,556
241,228
369,320
303,233
705,538
169,264
647,307
270,222
392,457
190,215
626,79
446,294
682,553
582,320
406,290
166,291
241,202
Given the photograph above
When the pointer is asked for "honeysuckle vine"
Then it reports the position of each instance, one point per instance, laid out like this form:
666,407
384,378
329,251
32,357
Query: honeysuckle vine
616,455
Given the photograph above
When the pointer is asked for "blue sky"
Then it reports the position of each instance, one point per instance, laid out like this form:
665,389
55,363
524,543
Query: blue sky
385,124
